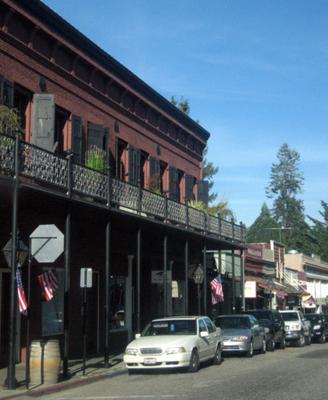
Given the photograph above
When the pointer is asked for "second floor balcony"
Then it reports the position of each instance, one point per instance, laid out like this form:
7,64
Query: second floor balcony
40,168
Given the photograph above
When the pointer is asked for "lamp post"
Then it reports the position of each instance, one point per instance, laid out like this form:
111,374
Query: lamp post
15,252
198,279
269,291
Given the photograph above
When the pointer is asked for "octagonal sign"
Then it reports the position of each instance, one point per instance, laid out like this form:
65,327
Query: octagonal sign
47,243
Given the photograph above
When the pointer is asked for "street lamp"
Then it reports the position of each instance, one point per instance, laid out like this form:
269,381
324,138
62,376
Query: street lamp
198,277
269,291
15,252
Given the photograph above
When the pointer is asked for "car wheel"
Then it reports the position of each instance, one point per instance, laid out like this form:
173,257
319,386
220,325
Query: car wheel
282,344
322,338
271,345
308,340
263,348
194,361
301,341
250,351
217,359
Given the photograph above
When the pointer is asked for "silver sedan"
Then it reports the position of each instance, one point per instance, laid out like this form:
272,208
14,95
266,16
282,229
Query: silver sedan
241,334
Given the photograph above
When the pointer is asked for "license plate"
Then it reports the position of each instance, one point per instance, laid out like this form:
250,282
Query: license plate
150,361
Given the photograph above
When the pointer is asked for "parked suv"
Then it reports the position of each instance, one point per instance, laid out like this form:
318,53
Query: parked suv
298,330
319,325
272,320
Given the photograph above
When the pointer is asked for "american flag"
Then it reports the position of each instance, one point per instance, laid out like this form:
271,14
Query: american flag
49,283
217,290
20,293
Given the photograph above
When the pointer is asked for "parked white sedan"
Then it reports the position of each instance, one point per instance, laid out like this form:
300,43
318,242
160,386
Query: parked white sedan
175,342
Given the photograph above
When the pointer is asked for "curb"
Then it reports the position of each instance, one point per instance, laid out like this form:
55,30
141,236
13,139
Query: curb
58,387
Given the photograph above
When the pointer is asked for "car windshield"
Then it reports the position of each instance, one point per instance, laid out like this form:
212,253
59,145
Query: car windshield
233,322
260,314
171,327
314,318
289,316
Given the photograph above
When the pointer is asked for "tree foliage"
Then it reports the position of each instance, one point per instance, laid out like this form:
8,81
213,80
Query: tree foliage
319,233
264,228
182,104
286,183
9,120
209,171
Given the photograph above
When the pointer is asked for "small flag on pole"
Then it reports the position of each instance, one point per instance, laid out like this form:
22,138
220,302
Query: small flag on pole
20,293
217,290
49,283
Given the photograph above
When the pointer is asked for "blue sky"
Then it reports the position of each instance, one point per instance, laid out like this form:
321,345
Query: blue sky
255,73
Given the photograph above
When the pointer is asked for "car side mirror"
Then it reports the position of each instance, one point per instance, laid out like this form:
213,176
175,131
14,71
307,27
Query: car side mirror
137,335
203,334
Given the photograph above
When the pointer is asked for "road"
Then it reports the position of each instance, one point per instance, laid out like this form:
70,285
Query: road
293,373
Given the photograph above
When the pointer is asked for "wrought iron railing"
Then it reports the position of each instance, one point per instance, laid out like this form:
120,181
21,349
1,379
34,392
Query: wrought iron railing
42,167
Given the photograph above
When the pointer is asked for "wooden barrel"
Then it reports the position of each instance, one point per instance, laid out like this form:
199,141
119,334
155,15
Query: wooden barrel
35,363
51,361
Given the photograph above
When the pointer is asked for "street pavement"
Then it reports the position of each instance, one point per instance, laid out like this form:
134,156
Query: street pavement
290,374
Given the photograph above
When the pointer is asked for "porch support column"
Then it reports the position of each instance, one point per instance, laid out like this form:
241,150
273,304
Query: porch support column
165,275
186,294
138,277
242,280
107,290
11,372
67,289
233,282
205,279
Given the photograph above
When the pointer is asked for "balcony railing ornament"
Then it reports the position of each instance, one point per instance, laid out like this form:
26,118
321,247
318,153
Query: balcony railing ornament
41,166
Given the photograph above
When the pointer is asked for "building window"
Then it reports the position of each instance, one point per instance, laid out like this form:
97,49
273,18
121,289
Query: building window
52,312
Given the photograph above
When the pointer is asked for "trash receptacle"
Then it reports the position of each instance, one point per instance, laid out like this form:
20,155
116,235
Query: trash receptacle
44,362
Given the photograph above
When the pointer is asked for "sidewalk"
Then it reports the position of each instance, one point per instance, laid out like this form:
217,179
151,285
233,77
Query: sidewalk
95,370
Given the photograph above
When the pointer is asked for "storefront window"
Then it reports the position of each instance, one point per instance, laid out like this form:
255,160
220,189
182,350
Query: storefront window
117,303
53,310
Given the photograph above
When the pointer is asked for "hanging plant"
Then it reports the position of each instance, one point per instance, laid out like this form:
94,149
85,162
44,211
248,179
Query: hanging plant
95,159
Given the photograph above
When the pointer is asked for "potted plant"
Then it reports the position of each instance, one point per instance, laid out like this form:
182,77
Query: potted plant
95,158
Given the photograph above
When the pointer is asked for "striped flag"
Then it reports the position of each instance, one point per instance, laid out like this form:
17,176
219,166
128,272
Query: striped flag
217,290
49,283
20,293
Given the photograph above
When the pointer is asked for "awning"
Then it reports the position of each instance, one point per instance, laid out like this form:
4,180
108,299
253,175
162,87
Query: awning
308,301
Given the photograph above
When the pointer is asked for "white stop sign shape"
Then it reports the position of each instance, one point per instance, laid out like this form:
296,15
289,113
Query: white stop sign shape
47,243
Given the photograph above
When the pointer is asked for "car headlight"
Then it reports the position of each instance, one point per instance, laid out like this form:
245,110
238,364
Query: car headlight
296,327
175,350
316,327
131,351
241,338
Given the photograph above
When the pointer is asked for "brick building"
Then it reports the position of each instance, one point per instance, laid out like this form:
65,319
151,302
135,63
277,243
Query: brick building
113,165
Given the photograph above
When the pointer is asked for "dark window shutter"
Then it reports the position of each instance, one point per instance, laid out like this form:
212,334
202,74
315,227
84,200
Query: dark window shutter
6,92
43,121
173,184
77,139
203,192
134,165
95,135
189,181
154,166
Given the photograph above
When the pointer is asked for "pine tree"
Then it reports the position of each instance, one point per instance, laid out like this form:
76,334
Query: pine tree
286,182
319,233
264,228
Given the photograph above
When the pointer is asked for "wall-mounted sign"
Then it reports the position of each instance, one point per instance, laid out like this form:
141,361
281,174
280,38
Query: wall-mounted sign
250,290
157,276
86,277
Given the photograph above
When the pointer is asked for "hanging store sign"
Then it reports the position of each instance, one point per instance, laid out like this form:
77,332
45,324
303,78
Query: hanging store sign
250,290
